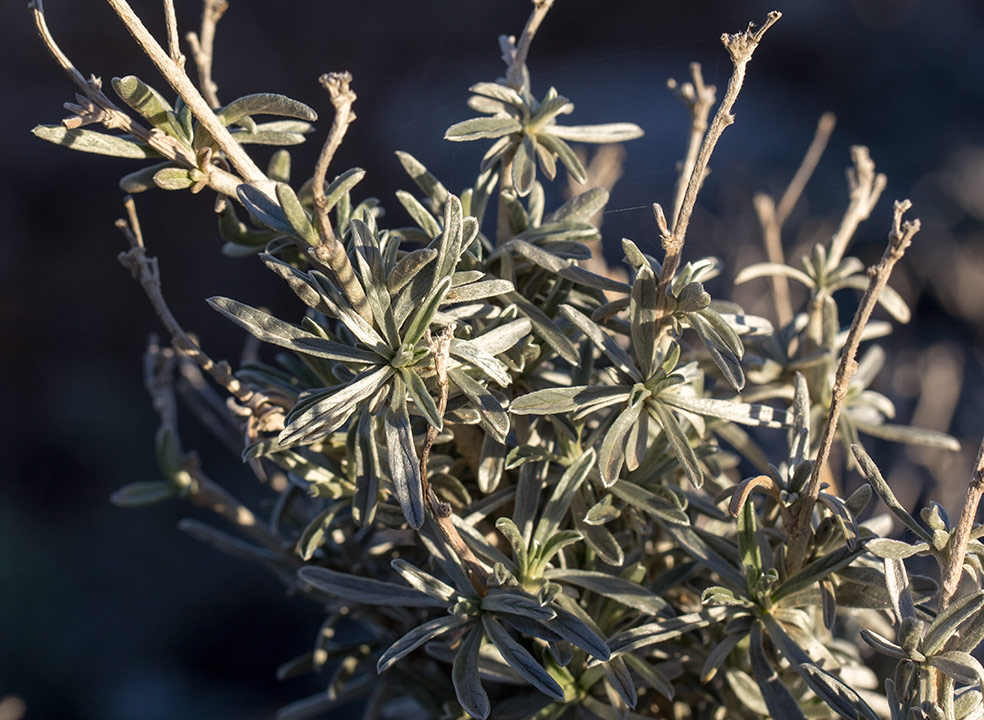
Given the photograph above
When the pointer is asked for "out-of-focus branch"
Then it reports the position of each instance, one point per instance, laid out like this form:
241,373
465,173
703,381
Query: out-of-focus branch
202,48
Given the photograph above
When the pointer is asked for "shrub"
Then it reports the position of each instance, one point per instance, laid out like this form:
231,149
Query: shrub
495,453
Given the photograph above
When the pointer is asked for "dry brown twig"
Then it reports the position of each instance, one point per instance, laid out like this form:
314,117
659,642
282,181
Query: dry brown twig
772,217
740,47
173,47
899,240
961,535
699,99
202,48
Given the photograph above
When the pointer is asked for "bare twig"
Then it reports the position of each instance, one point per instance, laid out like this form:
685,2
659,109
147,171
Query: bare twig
961,536
178,80
440,346
331,253
146,271
899,240
865,188
517,61
699,99
202,48
740,47
173,48
772,218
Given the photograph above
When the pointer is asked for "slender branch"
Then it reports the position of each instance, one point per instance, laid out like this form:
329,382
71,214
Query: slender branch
503,232
740,46
440,346
899,240
202,48
147,272
173,48
961,537
331,253
865,188
178,80
517,61
772,218
699,99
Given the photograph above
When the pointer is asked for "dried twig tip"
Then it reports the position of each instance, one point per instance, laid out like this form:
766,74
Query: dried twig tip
742,45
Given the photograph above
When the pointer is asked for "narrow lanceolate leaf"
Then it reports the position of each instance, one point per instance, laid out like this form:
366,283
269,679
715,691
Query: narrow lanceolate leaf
429,184
143,99
341,185
516,602
524,166
493,417
265,104
421,397
417,637
962,667
486,127
467,681
263,210
612,587
545,327
313,536
679,442
563,268
520,659
139,494
93,142
572,629
296,215
604,133
560,500
552,401
818,570
425,582
648,502
427,222
657,632
909,435
558,147
949,623
503,337
365,590
748,545
838,696
773,269
603,341
620,679
403,462
419,322
611,456
722,355
881,487
642,311
408,267
778,699
741,413
473,355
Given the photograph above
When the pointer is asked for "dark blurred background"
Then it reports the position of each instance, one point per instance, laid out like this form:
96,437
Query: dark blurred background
114,614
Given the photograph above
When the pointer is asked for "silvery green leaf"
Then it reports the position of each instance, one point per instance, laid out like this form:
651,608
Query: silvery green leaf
962,667
715,658
524,166
139,494
421,319
339,188
498,91
472,354
742,413
551,108
263,210
464,674
897,584
422,400
494,418
485,127
278,169
580,208
599,539
909,435
330,413
651,677
555,543
417,637
659,631
748,545
408,267
603,341
516,602
642,311
894,549
778,699
648,502
839,697
881,487
611,455
560,500
552,142
143,179
619,678
429,184
544,327
770,270
723,356
368,469
610,586
679,443
94,142
883,644
296,215
267,137
552,401
563,268
174,178
265,104
450,243
746,690
301,283
403,462
491,464
888,298
479,290
419,213
503,337
512,534
688,539
602,512
817,570
365,590
557,237
605,133
142,98
949,622
313,535
520,659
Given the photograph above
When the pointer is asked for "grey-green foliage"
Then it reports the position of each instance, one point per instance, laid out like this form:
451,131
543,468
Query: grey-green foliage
578,542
